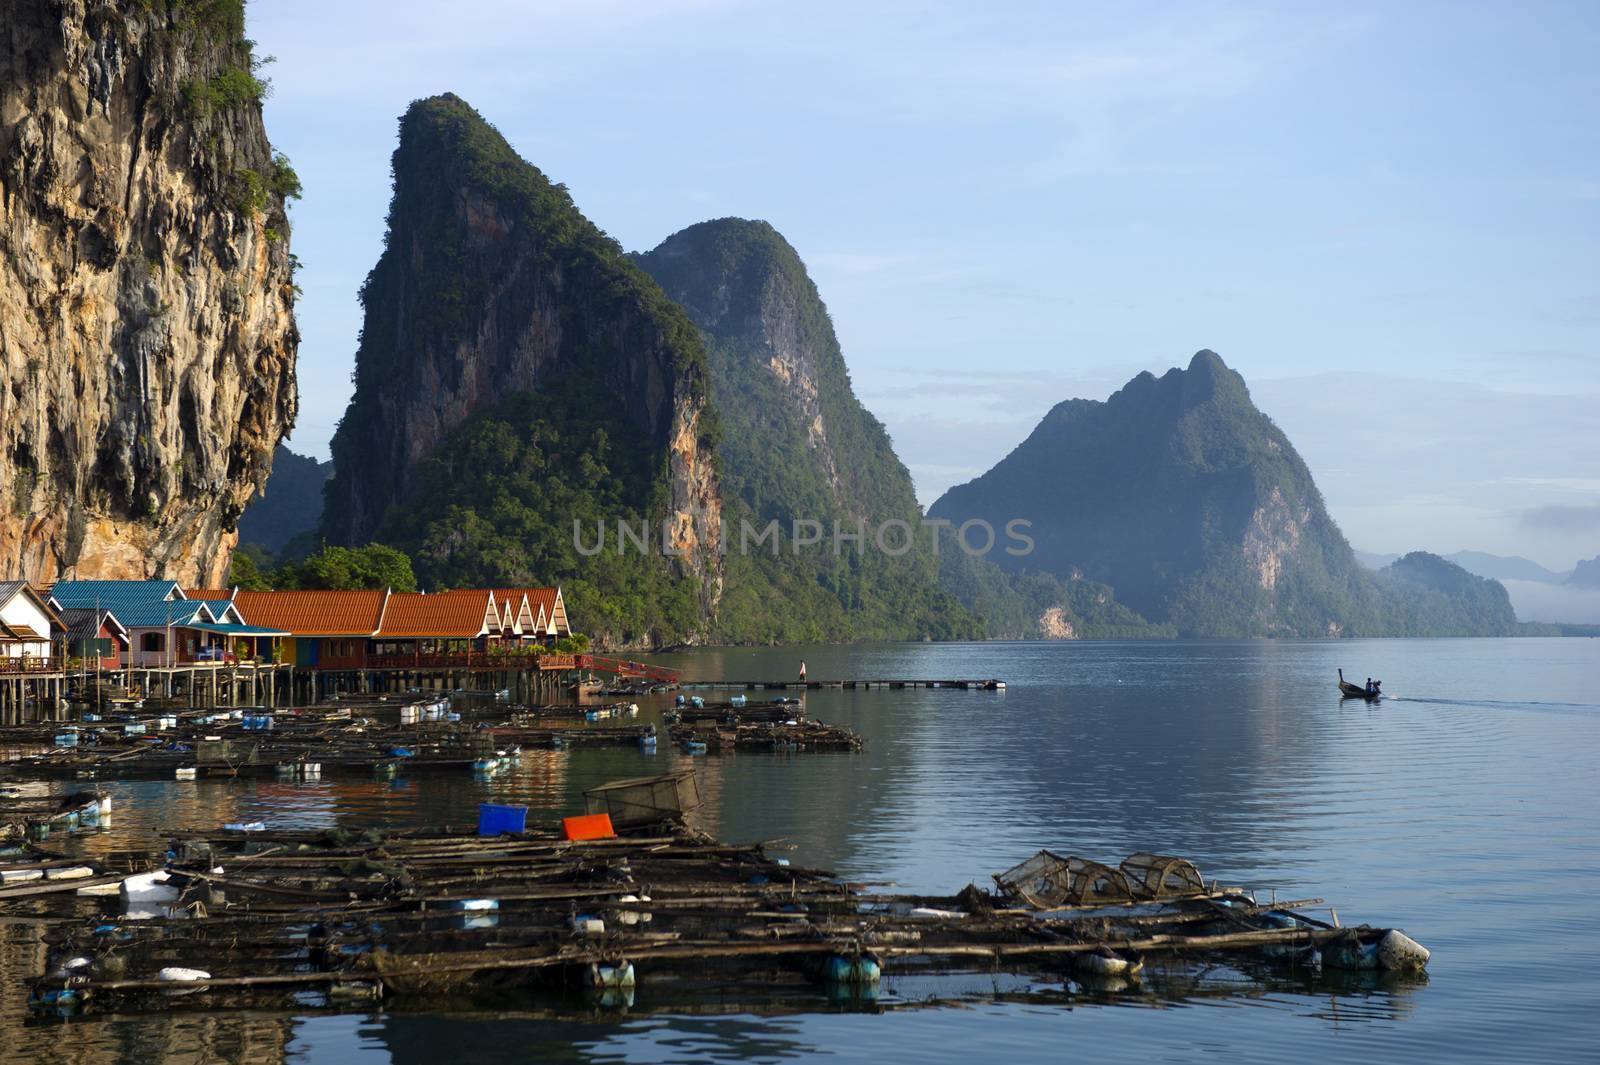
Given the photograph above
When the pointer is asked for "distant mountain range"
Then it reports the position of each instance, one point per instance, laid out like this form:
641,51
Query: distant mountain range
521,379
1495,567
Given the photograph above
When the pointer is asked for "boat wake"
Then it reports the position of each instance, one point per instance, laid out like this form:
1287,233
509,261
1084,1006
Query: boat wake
1497,704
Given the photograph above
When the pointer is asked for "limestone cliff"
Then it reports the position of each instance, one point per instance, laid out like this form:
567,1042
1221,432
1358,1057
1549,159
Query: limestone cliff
516,375
799,446
147,337
774,357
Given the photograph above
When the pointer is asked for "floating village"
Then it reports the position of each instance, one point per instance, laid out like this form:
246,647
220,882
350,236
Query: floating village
623,902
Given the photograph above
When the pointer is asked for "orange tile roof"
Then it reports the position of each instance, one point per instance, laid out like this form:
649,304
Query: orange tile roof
208,594
314,613
443,615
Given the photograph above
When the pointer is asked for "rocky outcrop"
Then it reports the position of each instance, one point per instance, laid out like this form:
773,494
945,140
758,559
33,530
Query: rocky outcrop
496,300
147,337
1055,624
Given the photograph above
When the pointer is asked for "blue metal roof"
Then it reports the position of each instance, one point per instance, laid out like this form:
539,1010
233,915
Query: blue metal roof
77,591
137,604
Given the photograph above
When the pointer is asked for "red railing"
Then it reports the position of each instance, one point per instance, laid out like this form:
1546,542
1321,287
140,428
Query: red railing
624,668
471,660
545,663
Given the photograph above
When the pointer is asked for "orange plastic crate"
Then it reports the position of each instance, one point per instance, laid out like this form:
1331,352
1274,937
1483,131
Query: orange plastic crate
588,826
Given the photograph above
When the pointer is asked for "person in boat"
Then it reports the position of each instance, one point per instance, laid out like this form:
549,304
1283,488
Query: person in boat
1372,686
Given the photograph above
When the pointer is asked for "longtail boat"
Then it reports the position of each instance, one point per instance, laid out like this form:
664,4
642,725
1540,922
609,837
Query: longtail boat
1356,691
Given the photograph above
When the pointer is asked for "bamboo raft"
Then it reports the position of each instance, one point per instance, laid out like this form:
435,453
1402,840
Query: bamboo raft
348,919
699,712
781,736
295,744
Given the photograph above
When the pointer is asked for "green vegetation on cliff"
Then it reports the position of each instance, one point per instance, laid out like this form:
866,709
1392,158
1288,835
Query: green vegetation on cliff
329,569
1030,604
1426,595
798,446
497,502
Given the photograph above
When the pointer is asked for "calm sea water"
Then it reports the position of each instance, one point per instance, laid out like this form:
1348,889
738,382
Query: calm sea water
1465,808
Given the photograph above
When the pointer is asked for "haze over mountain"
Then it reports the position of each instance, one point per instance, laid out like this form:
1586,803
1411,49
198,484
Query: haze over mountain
1586,575
1196,511
1482,563
290,505
1537,593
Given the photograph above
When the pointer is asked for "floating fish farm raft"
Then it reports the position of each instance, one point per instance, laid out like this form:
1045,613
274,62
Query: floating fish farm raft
379,739
385,738
340,920
29,872
737,725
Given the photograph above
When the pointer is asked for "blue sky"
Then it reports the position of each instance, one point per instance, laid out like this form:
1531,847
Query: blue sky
1385,216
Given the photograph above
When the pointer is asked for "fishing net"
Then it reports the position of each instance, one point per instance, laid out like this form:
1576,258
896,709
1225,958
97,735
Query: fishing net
1155,876
417,974
1049,880
645,800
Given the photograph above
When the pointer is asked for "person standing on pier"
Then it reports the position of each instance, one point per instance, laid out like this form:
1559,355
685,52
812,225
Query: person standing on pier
802,672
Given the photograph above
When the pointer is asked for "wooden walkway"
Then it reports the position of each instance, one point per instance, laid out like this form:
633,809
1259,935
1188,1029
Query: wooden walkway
847,685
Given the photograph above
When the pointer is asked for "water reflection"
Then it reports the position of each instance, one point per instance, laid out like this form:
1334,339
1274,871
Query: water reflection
1462,809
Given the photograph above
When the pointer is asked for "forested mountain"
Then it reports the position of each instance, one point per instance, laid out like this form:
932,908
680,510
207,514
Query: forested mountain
798,446
1426,595
1483,564
517,376
1179,500
522,385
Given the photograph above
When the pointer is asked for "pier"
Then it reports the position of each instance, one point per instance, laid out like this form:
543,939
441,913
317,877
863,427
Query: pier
989,685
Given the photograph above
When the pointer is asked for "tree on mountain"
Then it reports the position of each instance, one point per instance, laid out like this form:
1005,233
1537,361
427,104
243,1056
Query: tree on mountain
350,568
